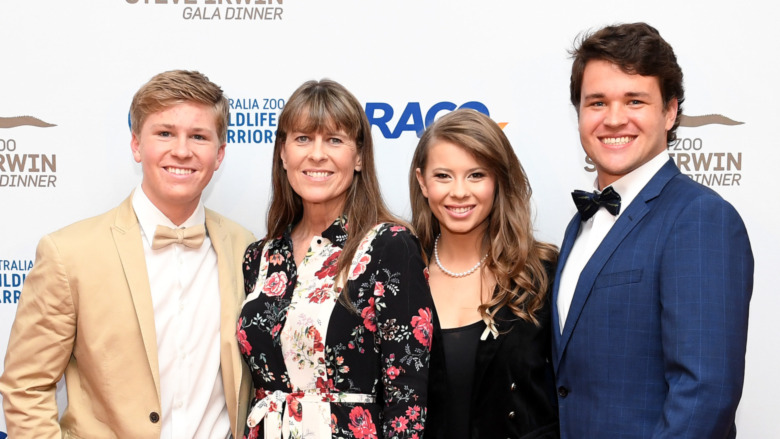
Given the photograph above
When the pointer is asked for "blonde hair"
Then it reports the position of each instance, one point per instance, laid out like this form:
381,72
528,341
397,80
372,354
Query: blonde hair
327,106
170,88
515,258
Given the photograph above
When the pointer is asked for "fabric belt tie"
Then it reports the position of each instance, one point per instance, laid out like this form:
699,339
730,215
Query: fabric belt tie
283,412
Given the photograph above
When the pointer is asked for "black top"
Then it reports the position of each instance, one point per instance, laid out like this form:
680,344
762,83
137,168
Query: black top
513,387
460,349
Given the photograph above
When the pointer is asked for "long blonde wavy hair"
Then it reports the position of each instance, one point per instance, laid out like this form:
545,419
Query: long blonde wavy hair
515,258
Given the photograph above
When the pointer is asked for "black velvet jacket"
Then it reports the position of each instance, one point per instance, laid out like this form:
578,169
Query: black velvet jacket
514,387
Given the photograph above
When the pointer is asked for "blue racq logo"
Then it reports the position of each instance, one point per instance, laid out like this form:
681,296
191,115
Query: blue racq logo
380,114
3,435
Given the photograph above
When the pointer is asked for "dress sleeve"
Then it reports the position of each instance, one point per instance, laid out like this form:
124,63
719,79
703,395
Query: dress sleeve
404,319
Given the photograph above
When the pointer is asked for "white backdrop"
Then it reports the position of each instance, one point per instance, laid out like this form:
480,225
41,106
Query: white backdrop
75,64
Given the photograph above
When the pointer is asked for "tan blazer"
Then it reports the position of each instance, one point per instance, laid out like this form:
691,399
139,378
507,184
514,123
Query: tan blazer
86,310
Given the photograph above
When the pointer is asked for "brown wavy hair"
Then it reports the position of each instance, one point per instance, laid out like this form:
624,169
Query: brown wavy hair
327,106
515,258
637,48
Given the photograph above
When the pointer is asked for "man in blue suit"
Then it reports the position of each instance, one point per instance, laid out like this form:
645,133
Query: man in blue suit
656,271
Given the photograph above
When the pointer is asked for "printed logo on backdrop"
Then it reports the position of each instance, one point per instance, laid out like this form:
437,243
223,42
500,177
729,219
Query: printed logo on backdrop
412,118
253,121
3,435
12,276
702,158
228,10
19,168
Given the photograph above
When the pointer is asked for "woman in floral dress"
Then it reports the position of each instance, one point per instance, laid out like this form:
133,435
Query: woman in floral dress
337,324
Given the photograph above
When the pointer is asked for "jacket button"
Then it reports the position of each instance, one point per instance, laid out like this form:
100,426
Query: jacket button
154,417
563,392
513,387
511,415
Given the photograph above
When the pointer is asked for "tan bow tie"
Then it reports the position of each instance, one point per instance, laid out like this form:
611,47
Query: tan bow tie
191,236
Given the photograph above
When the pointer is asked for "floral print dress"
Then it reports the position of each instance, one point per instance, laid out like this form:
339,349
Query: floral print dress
320,369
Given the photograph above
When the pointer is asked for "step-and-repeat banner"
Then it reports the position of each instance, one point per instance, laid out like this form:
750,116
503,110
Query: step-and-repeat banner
68,70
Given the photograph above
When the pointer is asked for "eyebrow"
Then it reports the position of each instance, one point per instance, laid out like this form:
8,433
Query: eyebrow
630,94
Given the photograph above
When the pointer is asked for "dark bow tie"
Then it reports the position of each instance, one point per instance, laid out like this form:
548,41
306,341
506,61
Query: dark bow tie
588,203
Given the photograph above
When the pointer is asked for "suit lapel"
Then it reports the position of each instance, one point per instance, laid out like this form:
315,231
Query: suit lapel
229,305
568,242
487,349
632,216
127,238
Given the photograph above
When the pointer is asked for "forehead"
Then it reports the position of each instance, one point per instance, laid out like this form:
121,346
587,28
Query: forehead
603,78
444,153
184,114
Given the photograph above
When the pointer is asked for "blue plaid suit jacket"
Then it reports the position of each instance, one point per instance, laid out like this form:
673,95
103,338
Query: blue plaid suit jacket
654,342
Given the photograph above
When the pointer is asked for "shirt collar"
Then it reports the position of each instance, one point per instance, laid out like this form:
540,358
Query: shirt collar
149,216
629,185
336,233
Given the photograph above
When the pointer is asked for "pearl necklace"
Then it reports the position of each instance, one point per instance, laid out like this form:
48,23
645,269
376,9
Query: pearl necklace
451,273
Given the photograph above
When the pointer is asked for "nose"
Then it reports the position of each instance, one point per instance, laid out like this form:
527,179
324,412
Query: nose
459,188
616,115
181,147
317,150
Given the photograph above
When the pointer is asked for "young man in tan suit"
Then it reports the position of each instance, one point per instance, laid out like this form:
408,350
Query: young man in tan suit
138,306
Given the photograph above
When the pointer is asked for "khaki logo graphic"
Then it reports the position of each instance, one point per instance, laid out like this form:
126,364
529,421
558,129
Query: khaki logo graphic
707,119
18,121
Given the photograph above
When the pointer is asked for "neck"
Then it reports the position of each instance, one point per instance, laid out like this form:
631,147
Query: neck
461,250
315,220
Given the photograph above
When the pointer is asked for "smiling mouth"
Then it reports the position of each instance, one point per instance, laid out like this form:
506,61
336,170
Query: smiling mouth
317,174
460,209
179,171
617,140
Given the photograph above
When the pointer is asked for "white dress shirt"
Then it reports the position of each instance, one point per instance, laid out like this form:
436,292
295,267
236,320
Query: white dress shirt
593,231
185,294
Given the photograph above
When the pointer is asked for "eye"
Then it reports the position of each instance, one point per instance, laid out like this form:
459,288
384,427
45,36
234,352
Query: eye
302,139
164,134
199,137
441,176
336,141
477,175
635,102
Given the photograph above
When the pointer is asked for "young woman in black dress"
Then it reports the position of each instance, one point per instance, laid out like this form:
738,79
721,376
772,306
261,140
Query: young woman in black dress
491,375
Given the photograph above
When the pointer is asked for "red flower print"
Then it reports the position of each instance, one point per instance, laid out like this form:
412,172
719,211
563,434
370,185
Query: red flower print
361,424
243,344
324,386
253,432
329,267
275,259
276,284
369,316
314,334
319,294
379,289
360,268
392,373
399,423
275,330
415,436
396,229
294,408
423,328
426,273
334,421
413,413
